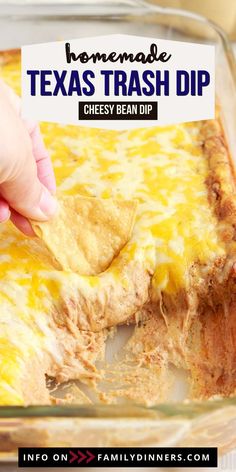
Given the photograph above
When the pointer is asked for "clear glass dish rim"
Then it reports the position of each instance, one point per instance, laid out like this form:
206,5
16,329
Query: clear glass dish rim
172,410
187,409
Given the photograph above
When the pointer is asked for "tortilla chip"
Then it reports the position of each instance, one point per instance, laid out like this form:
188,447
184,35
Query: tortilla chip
87,233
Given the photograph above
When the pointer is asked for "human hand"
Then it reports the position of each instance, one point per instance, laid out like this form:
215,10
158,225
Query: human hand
27,180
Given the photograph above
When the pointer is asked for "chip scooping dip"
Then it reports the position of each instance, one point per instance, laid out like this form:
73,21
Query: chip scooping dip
87,233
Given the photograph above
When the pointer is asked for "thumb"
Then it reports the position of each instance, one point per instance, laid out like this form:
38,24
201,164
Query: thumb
27,195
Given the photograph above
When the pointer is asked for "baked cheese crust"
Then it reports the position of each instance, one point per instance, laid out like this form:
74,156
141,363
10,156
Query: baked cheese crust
176,272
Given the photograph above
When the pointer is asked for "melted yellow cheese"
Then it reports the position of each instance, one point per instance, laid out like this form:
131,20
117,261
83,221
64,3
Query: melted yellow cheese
163,167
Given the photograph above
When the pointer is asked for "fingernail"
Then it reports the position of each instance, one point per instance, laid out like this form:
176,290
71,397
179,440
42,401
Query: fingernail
5,216
47,204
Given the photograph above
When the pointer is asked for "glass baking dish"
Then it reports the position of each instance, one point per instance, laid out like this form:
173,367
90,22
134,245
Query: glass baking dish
208,423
